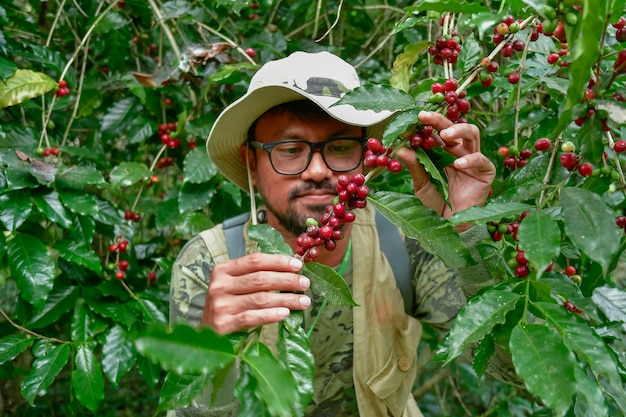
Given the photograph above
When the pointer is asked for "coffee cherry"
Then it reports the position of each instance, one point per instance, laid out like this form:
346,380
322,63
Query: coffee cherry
542,144
510,162
585,169
514,77
568,160
521,271
620,221
123,266
493,66
553,59
113,247
119,275
487,81
619,146
570,270
568,146
451,84
374,145
128,215
502,28
394,166
503,151
507,50
437,88
251,52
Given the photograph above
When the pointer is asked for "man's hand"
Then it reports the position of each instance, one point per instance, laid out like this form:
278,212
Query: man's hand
470,176
244,292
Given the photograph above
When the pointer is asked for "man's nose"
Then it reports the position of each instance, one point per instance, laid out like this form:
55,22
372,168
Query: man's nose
317,170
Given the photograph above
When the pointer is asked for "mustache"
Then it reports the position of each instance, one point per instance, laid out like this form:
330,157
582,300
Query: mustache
310,186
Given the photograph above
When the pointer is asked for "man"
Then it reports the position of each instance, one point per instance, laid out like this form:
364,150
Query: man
364,356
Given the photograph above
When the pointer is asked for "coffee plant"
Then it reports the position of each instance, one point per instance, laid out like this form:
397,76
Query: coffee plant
105,107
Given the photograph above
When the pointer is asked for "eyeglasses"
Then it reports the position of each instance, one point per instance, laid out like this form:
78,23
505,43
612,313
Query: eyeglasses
293,156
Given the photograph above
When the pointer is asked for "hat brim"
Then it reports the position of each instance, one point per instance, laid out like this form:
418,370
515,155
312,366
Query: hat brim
230,130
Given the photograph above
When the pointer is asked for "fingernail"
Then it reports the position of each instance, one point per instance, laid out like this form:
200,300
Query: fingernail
425,113
283,312
296,264
444,133
305,283
305,301
461,162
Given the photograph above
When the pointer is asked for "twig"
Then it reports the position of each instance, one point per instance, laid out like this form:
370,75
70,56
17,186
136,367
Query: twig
25,330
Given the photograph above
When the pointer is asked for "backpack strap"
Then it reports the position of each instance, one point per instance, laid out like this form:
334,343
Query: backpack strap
391,244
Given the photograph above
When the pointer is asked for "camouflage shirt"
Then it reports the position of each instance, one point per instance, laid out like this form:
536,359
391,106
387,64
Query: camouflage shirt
438,298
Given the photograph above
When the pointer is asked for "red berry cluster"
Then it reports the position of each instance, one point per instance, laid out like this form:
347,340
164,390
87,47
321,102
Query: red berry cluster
456,102
164,134
620,62
521,267
351,194
498,229
514,159
620,33
63,89
165,162
120,245
446,48
130,215
423,138
377,155
51,151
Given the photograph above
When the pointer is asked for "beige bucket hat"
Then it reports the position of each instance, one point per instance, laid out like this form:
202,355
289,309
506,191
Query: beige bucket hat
320,77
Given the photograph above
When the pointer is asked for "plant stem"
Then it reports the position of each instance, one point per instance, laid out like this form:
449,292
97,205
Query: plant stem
30,332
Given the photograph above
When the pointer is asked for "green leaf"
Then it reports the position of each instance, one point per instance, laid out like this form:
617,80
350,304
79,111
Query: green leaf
186,350
275,384
582,339
539,236
612,302
79,253
79,202
475,320
470,54
15,208
491,212
24,85
194,197
32,267
129,173
326,282
295,352
79,176
432,169
179,390
12,345
44,370
269,239
589,396
402,71
247,392
80,327
590,224
150,371
585,47
378,98
459,6
118,114
50,205
482,353
120,313
60,301
421,223
527,182
399,125
87,380
118,354
545,364
197,167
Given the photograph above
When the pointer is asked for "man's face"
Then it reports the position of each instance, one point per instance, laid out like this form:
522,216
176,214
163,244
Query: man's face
291,199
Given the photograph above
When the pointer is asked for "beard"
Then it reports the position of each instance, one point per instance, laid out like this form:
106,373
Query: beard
294,220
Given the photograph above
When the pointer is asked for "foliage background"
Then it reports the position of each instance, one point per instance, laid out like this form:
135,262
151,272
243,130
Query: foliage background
134,67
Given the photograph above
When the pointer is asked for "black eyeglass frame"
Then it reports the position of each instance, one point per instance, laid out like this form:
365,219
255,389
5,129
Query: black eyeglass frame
268,147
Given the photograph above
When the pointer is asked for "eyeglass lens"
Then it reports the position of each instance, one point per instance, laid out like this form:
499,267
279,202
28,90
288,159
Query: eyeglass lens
339,155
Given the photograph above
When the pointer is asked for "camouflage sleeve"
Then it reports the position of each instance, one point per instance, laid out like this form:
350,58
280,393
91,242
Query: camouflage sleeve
440,292
190,280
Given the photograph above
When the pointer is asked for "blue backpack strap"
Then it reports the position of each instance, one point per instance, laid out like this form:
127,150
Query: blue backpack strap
233,231
389,238
392,245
